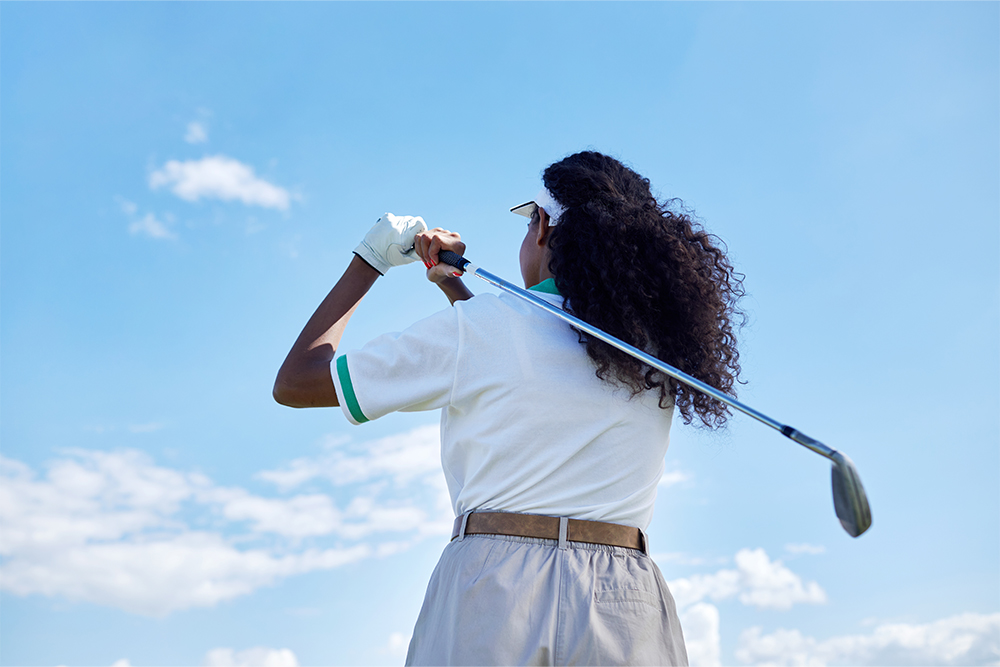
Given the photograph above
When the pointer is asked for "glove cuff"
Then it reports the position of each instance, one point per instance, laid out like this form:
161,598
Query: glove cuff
371,259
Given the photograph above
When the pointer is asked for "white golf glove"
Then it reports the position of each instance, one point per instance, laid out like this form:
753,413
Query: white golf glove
390,242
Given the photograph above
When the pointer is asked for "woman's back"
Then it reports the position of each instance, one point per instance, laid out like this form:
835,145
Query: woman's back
526,426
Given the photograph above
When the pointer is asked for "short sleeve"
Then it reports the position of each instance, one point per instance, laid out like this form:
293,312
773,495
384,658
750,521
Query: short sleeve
408,372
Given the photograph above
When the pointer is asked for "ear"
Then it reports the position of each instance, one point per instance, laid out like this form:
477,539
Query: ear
542,239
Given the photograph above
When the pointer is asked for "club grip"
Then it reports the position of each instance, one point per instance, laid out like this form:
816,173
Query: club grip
453,259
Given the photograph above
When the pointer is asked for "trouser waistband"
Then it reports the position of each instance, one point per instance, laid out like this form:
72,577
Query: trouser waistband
550,528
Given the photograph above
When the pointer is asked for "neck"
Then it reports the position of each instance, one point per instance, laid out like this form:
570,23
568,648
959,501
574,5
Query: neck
544,273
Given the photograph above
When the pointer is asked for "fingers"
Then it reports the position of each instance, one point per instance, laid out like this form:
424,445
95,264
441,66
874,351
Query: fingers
427,252
418,245
421,245
430,243
441,272
433,250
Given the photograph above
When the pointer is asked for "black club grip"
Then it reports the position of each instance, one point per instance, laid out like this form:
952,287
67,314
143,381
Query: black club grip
453,259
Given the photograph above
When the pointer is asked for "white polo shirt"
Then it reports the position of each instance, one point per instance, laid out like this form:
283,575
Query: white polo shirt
526,425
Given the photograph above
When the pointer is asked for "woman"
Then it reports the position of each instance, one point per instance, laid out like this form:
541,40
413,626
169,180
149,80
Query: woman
552,443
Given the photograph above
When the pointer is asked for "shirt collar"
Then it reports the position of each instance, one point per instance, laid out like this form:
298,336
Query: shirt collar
548,286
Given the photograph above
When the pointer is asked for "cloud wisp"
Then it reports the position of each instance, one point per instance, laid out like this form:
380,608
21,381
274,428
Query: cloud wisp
259,656
196,133
757,581
701,634
397,645
116,529
152,227
399,482
805,549
965,639
674,477
219,177
149,225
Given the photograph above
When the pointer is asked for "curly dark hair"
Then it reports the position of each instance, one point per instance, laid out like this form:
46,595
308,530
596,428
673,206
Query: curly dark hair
648,274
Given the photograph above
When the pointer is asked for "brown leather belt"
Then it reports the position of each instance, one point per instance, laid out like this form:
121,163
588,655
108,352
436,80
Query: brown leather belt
547,527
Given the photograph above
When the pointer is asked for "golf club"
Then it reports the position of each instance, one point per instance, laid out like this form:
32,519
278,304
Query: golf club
849,499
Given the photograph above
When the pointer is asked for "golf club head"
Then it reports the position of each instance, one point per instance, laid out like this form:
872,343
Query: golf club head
849,499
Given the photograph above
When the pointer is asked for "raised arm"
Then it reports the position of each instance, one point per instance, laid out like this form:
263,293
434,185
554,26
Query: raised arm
304,379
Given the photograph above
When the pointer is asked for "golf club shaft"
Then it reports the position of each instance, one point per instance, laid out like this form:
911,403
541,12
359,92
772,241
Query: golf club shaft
461,263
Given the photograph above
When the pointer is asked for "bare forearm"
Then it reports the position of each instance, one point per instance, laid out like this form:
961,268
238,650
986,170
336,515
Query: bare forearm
455,289
304,380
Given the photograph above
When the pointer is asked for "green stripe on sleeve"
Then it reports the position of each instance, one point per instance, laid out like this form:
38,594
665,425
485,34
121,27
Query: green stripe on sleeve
348,388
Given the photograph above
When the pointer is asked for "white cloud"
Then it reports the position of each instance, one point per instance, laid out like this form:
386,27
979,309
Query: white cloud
674,477
94,496
128,208
157,576
701,635
196,133
966,639
810,549
398,644
103,527
145,428
396,470
151,227
402,457
114,528
253,657
219,177
300,516
756,581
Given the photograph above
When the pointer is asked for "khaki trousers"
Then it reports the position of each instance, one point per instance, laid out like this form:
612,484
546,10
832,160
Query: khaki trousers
504,600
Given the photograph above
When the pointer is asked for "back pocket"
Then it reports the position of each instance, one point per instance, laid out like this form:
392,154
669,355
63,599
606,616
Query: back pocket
625,595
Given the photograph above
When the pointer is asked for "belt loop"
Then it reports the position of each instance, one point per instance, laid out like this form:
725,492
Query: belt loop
465,521
563,531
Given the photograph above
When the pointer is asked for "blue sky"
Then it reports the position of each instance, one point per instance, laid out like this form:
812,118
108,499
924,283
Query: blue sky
180,185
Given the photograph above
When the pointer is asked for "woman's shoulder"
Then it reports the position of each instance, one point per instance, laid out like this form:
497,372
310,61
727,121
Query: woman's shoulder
484,309
504,305
504,315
